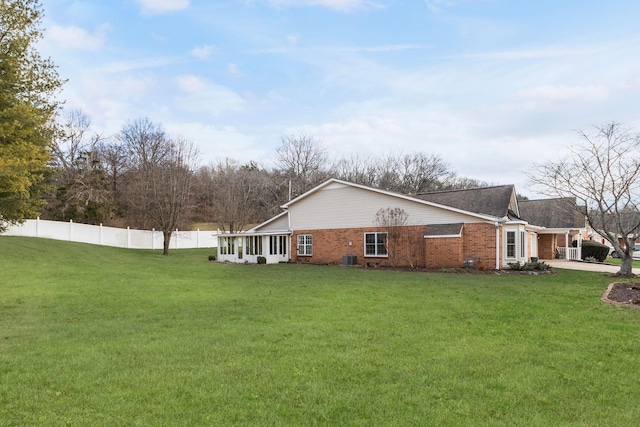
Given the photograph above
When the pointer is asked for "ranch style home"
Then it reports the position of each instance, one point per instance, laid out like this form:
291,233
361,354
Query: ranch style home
339,222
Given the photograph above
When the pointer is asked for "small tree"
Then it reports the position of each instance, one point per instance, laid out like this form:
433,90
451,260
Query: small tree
603,175
393,221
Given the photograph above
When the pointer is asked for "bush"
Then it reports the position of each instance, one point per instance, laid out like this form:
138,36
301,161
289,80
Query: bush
212,257
528,266
591,249
262,260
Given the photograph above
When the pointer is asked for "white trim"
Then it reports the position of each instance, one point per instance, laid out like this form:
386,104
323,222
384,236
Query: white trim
376,255
498,255
443,236
254,229
255,233
305,245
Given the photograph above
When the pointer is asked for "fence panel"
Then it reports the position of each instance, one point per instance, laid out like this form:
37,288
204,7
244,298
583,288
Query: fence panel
111,236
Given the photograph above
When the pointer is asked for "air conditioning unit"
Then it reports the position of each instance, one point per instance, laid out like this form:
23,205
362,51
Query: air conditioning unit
349,260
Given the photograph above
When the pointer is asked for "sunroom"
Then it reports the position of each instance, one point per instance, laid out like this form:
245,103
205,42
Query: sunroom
247,247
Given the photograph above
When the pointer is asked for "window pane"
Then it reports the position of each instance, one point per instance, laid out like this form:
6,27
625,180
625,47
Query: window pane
305,244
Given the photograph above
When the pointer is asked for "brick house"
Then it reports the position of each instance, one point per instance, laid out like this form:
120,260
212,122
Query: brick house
562,223
340,222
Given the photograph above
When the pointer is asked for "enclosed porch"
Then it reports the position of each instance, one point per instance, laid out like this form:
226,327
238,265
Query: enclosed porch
248,247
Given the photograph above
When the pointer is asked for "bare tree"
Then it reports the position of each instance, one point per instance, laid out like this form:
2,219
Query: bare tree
603,175
407,174
393,221
358,168
304,160
159,178
233,194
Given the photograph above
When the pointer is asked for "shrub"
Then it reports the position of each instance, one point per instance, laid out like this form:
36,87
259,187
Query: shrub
516,266
262,260
212,257
591,249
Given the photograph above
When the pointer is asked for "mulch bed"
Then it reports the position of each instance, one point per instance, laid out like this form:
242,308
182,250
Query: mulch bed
623,293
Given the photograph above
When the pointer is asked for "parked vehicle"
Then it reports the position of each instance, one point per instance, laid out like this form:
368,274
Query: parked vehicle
636,252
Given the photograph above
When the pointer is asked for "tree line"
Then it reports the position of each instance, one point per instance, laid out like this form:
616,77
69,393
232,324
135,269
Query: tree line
142,177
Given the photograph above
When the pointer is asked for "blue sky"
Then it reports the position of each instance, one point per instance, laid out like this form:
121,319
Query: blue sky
489,85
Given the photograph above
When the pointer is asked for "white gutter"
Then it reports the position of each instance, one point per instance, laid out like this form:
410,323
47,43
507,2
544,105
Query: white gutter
497,245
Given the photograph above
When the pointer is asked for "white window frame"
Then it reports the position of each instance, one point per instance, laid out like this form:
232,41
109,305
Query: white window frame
509,245
376,244
305,245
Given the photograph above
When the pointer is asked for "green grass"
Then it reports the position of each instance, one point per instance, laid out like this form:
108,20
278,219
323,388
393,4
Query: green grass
104,336
618,261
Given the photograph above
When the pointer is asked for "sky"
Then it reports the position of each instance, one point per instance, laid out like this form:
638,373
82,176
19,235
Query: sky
490,86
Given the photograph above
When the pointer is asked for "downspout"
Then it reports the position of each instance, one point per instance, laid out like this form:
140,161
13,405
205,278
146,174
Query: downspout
497,245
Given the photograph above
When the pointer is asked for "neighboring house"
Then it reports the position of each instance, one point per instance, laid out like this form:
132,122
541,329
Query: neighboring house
562,223
336,223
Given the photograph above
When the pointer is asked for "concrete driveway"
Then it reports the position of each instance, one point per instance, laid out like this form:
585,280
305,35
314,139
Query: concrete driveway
585,266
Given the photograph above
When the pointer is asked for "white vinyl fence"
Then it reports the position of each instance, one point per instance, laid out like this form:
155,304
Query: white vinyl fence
110,236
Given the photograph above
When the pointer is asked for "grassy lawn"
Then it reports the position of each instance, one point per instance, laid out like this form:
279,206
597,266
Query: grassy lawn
104,336
617,261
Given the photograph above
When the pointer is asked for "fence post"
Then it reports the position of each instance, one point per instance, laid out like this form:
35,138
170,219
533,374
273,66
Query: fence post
70,230
38,227
128,237
153,238
176,239
100,234
198,238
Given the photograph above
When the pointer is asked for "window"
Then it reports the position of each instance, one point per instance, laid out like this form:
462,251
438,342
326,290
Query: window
375,244
511,244
305,244
227,246
254,245
283,245
522,242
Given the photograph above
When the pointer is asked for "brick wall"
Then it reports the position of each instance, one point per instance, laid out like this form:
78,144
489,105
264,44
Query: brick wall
443,252
410,249
479,243
329,246
546,248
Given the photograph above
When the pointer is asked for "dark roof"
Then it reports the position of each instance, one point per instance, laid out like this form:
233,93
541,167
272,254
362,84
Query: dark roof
552,213
443,229
494,201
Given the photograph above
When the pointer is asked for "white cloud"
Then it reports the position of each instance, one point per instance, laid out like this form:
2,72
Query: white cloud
590,93
438,5
233,70
153,7
203,52
217,143
78,38
203,96
142,63
339,5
